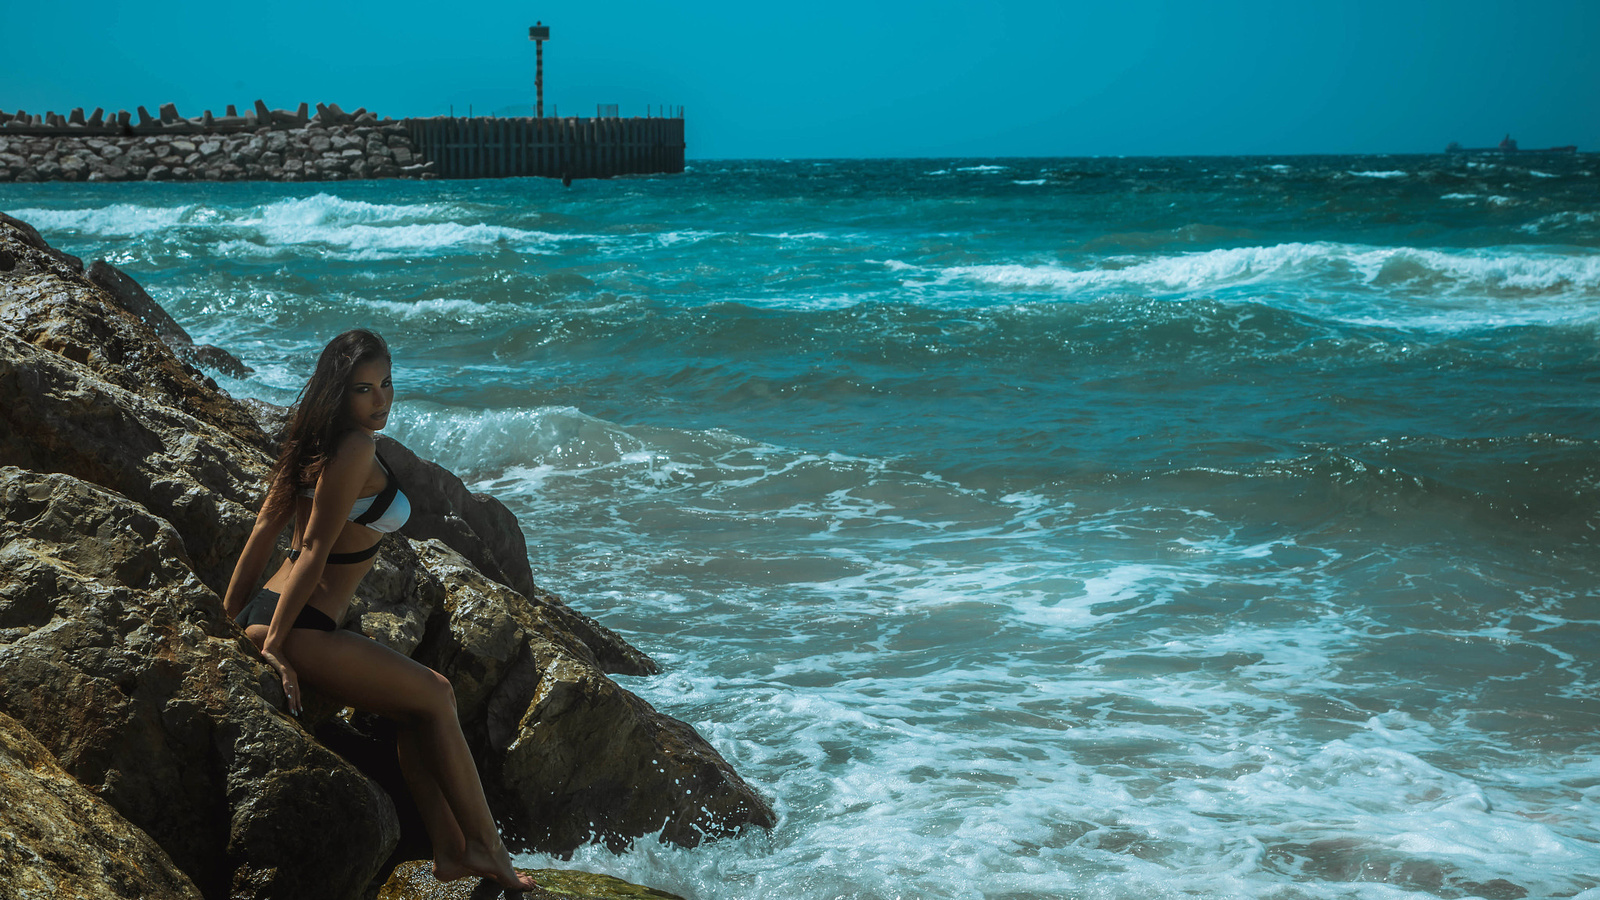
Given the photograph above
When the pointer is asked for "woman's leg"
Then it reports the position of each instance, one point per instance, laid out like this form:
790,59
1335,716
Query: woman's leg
434,753
443,831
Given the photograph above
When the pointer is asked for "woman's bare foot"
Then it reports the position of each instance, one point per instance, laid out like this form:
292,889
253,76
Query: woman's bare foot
485,862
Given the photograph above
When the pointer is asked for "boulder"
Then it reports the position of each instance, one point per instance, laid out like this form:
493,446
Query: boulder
132,297
567,755
47,301
60,417
132,487
59,840
119,659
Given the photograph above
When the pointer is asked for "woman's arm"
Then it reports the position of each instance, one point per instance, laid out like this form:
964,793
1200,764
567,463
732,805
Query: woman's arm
337,488
253,559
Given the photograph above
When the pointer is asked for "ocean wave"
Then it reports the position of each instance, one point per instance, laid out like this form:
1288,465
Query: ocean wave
115,220
1303,267
330,210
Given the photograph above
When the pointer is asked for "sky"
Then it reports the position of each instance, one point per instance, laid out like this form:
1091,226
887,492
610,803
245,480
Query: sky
828,79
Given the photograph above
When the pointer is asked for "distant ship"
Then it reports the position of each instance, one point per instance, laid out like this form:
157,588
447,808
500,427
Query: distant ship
1508,145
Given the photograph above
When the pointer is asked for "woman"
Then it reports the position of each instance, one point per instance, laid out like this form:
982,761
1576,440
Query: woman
342,499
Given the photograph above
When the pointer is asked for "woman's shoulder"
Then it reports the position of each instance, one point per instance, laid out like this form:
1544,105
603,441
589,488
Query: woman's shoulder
356,441
354,448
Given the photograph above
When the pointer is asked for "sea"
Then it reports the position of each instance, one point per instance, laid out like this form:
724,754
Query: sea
1215,527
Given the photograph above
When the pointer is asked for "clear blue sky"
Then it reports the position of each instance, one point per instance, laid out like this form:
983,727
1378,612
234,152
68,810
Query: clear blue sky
864,78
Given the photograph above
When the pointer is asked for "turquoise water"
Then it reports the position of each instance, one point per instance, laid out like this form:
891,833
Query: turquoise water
1021,528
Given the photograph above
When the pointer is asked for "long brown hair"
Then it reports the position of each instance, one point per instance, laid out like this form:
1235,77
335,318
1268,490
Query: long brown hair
317,420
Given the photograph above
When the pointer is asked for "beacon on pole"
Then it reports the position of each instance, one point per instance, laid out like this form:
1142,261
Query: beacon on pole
538,33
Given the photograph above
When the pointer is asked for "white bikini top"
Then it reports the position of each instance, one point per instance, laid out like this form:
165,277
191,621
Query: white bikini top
383,512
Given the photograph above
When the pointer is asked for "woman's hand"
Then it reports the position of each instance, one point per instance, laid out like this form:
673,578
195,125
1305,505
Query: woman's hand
291,681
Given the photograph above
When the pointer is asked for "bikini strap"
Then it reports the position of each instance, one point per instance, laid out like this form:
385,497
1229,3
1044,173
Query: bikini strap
380,504
344,559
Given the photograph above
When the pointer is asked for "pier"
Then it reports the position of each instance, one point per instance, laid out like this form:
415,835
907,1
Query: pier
599,147
331,145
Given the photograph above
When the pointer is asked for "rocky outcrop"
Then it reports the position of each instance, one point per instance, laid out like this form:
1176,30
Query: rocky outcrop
131,297
568,755
47,300
59,840
119,660
129,487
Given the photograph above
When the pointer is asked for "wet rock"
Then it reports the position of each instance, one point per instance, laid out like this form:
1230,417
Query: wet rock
567,755
414,881
59,840
132,297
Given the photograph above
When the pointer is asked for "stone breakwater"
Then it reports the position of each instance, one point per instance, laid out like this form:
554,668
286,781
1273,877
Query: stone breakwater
308,153
144,751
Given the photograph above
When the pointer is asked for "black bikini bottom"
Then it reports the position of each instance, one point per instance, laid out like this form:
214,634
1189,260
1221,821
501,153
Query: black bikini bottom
261,607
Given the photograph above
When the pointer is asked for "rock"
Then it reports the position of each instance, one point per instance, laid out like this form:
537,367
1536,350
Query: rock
133,298
117,657
141,493
477,525
58,839
24,234
60,417
47,302
414,881
566,754
168,112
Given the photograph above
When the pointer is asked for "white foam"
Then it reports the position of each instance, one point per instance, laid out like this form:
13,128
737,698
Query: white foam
1185,272
330,210
1463,285
1390,173
116,220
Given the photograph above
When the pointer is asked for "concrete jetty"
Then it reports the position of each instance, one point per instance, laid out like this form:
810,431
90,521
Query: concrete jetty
266,144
